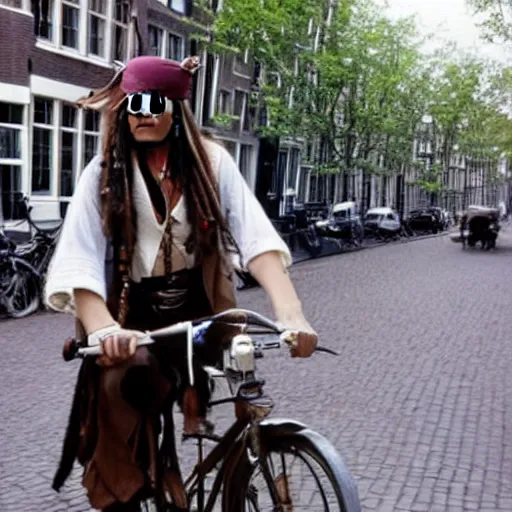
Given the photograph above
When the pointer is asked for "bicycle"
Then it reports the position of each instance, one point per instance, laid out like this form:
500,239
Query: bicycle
253,446
23,268
19,282
38,251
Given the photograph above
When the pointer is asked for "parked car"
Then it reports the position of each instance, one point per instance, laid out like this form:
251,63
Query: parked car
426,219
382,223
343,224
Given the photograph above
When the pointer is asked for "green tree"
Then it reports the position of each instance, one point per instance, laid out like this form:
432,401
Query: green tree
498,22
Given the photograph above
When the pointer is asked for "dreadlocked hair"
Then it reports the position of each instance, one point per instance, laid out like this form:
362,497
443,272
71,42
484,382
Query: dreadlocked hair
117,211
192,170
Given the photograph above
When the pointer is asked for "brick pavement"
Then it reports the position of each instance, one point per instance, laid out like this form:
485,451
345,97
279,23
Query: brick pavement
419,403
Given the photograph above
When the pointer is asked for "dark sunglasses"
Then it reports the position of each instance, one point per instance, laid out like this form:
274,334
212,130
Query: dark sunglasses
148,104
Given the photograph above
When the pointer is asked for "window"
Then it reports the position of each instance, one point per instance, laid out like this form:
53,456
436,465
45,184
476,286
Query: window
97,27
120,30
175,47
11,121
224,105
68,142
10,186
155,41
246,126
279,172
91,135
42,146
70,25
294,168
303,183
11,124
44,20
239,108
245,160
215,5
313,188
12,3
177,5
231,147
240,63
274,79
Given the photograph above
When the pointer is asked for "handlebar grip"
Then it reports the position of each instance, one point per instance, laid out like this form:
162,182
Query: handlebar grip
70,349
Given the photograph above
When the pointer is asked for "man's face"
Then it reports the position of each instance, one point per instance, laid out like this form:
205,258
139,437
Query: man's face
150,129
149,116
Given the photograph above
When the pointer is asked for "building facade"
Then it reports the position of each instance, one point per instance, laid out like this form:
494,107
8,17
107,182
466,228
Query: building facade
58,51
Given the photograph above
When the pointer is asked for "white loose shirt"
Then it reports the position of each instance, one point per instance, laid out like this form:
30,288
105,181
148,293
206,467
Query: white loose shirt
79,259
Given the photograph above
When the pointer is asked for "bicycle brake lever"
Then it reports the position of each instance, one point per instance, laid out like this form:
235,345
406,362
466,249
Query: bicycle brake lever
326,350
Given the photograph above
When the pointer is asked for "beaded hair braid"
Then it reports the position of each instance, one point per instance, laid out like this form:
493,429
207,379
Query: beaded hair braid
191,170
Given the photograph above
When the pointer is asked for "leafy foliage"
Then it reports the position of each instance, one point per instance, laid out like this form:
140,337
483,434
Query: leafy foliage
356,83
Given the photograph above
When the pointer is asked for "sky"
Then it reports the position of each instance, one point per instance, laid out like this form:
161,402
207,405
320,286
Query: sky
449,19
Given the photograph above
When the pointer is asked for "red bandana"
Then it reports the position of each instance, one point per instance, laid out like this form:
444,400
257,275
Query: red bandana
157,74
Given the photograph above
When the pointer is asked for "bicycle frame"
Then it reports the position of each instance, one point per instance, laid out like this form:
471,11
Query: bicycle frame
221,453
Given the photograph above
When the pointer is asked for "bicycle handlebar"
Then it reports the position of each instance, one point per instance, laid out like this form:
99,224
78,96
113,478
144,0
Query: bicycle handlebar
236,321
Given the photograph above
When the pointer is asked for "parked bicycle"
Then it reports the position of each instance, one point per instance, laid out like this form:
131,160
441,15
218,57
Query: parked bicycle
259,464
23,268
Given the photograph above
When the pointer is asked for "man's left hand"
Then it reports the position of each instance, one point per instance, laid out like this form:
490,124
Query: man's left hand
303,339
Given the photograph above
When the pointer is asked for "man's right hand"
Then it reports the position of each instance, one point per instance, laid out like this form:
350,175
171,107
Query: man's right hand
119,347
117,344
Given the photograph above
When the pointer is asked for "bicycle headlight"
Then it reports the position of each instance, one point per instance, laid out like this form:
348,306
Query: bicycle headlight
240,357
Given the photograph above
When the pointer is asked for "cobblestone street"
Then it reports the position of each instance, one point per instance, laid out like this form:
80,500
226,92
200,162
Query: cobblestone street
419,403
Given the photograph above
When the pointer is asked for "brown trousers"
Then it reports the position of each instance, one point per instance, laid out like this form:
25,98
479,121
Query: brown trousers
131,397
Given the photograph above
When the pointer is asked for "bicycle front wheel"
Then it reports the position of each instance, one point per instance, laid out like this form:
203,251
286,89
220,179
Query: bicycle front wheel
299,472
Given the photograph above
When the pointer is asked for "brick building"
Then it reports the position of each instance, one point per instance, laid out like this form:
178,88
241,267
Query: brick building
49,59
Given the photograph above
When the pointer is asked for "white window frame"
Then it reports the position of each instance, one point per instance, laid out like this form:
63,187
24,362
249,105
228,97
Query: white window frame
55,44
244,61
221,105
277,77
54,158
88,133
12,126
163,38
77,160
181,9
56,148
77,7
107,20
214,86
165,50
250,176
21,161
114,25
24,7
245,103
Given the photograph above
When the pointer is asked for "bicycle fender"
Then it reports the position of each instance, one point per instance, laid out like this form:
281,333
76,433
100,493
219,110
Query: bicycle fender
270,431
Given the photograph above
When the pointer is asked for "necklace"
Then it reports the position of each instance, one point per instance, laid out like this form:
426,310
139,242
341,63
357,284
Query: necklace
162,175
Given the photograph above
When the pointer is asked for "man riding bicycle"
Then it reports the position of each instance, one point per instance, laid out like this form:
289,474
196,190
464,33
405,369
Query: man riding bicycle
175,213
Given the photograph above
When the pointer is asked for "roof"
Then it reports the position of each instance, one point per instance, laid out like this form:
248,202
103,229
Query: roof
382,210
339,207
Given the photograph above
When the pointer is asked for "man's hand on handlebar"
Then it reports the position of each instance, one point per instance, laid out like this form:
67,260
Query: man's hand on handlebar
302,344
117,344
301,337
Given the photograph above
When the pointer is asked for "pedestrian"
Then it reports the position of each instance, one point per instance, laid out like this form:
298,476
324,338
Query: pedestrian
174,212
